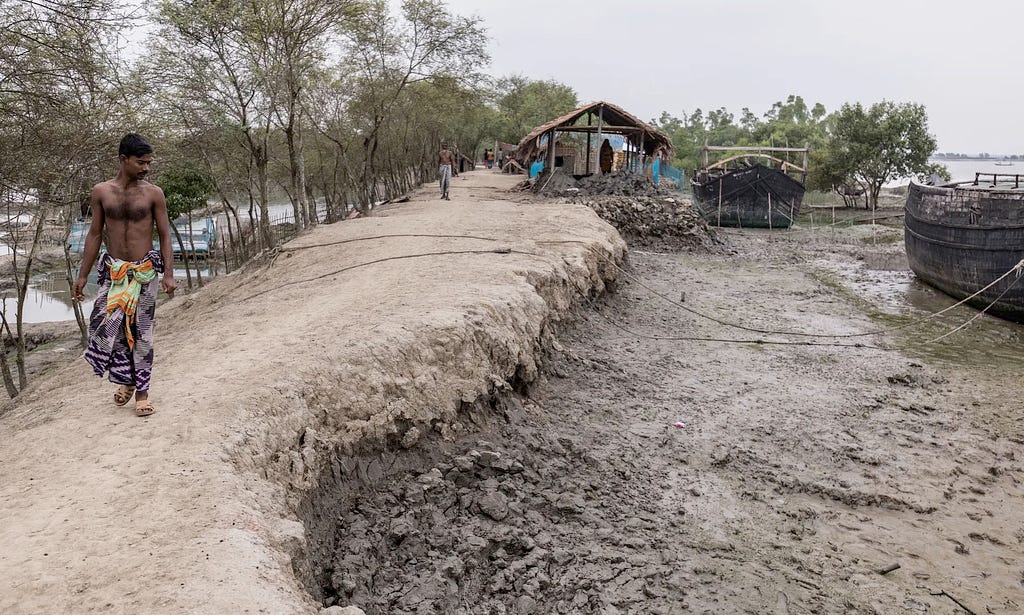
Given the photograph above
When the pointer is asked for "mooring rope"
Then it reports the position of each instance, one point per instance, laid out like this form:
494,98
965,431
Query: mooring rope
1018,269
692,338
385,259
979,314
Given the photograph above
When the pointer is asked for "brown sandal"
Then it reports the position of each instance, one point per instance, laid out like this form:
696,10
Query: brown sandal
144,407
123,394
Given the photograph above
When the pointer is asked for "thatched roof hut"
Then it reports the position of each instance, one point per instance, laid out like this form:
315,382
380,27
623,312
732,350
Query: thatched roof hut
603,118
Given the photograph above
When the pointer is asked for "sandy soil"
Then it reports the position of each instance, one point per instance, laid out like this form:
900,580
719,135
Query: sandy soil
467,434
262,379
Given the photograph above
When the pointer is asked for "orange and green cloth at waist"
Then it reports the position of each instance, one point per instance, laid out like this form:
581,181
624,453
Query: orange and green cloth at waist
110,327
126,282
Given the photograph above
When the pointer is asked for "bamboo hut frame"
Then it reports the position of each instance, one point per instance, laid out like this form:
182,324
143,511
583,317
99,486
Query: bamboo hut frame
611,119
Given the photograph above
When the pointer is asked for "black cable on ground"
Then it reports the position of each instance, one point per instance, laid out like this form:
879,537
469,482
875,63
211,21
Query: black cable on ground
385,259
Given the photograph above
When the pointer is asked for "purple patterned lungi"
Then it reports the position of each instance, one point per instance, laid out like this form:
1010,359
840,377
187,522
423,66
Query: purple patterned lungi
108,348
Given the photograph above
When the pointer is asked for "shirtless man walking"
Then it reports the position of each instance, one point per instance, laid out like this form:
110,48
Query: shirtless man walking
446,164
124,211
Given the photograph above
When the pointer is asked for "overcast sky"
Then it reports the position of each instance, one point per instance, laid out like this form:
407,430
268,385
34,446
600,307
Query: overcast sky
962,60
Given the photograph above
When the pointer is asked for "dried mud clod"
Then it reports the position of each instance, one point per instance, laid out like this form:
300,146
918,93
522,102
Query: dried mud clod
498,526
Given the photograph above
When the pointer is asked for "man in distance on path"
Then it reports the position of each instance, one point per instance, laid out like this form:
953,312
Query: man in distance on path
124,211
446,165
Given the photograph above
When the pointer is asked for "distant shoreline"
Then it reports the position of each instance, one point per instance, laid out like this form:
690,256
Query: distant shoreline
975,159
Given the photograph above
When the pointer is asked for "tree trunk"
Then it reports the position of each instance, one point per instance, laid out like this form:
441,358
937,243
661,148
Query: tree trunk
264,187
5,366
22,293
192,244
184,257
298,211
69,272
83,328
308,204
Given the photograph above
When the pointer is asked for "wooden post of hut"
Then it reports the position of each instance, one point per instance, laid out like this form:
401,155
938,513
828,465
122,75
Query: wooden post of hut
600,136
640,152
551,152
807,147
588,171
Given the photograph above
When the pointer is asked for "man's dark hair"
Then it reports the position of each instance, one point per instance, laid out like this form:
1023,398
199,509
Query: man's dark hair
133,144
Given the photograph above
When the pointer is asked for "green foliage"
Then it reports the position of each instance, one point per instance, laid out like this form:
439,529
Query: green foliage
786,124
869,147
186,188
934,168
874,146
523,104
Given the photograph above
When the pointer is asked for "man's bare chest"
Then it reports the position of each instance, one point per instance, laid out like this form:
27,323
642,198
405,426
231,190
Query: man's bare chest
128,206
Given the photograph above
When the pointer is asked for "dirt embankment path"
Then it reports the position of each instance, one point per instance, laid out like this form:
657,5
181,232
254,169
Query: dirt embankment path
426,435
339,343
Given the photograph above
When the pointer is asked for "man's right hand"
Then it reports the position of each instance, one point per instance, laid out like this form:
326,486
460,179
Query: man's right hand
78,289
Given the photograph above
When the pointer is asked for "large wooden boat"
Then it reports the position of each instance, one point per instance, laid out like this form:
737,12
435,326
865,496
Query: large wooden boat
752,189
962,236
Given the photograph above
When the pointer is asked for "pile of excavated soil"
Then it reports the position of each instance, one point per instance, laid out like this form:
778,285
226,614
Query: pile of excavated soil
645,214
659,222
355,339
623,184
562,184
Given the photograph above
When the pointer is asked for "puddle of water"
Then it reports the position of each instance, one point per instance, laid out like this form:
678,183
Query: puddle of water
887,262
885,280
988,341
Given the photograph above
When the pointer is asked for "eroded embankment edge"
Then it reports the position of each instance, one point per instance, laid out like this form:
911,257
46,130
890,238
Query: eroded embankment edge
404,396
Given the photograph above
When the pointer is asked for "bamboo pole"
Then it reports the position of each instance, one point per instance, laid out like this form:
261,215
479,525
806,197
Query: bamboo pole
551,151
589,146
719,202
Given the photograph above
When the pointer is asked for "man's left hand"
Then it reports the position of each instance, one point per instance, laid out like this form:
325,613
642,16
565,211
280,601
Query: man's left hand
168,285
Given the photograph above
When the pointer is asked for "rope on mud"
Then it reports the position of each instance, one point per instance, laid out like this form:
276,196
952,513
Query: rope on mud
1018,268
427,235
978,315
690,338
355,239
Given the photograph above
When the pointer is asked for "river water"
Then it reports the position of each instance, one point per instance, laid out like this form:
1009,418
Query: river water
965,169
961,170
49,298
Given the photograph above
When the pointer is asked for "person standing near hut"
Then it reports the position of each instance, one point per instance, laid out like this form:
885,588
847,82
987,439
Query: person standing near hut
446,163
606,156
126,209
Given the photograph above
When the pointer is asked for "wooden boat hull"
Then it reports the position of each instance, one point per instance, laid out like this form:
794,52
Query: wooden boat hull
756,197
959,239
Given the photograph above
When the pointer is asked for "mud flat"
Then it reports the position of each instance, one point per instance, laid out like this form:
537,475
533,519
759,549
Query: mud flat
357,339
654,468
